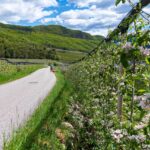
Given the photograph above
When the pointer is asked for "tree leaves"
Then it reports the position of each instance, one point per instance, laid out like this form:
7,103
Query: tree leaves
147,59
118,1
124,60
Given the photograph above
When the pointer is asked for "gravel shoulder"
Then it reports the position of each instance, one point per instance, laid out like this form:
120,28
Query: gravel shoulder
19,99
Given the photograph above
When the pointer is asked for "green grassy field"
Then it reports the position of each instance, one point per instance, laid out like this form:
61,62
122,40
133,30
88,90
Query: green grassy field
23,138
64,56
10,72
71,56
36,61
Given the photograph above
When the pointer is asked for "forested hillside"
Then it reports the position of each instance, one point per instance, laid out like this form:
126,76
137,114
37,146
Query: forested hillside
42,41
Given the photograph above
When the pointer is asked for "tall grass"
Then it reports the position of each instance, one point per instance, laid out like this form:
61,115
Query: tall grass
24,136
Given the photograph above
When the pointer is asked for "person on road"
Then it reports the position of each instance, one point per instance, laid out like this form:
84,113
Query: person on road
52,68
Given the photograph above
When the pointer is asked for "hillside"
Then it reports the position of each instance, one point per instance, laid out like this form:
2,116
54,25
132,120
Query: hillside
42,41
53,29
60,30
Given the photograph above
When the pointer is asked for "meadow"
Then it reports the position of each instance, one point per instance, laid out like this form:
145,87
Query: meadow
9,72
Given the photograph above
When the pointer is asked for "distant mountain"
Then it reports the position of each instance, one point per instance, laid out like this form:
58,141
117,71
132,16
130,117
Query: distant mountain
44,42
54,29
16,27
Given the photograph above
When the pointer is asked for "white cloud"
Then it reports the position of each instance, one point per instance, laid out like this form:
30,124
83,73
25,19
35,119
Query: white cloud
84,3
4,22
103,32
101,3
28,10
92,16
93,20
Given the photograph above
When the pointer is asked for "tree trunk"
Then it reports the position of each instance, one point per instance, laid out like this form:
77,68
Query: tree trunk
120,98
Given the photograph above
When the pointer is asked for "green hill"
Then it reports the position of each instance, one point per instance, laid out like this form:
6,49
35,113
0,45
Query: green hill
42,41
63,31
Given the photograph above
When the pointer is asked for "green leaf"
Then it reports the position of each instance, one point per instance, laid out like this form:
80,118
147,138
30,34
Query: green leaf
147,59
141,91
117,2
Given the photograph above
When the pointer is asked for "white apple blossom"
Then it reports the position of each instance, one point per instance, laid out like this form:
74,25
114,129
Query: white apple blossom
140,126
128,46
117,135
145,51
144,100
138,138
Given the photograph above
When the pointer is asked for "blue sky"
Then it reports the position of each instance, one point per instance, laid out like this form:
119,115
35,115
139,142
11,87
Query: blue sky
92,16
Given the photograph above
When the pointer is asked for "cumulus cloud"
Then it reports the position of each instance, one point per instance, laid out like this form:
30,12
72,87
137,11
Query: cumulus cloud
14,11
92,16
84,3
93,20
99,3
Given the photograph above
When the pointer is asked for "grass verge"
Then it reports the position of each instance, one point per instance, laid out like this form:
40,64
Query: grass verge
10,72
23,137
51,136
